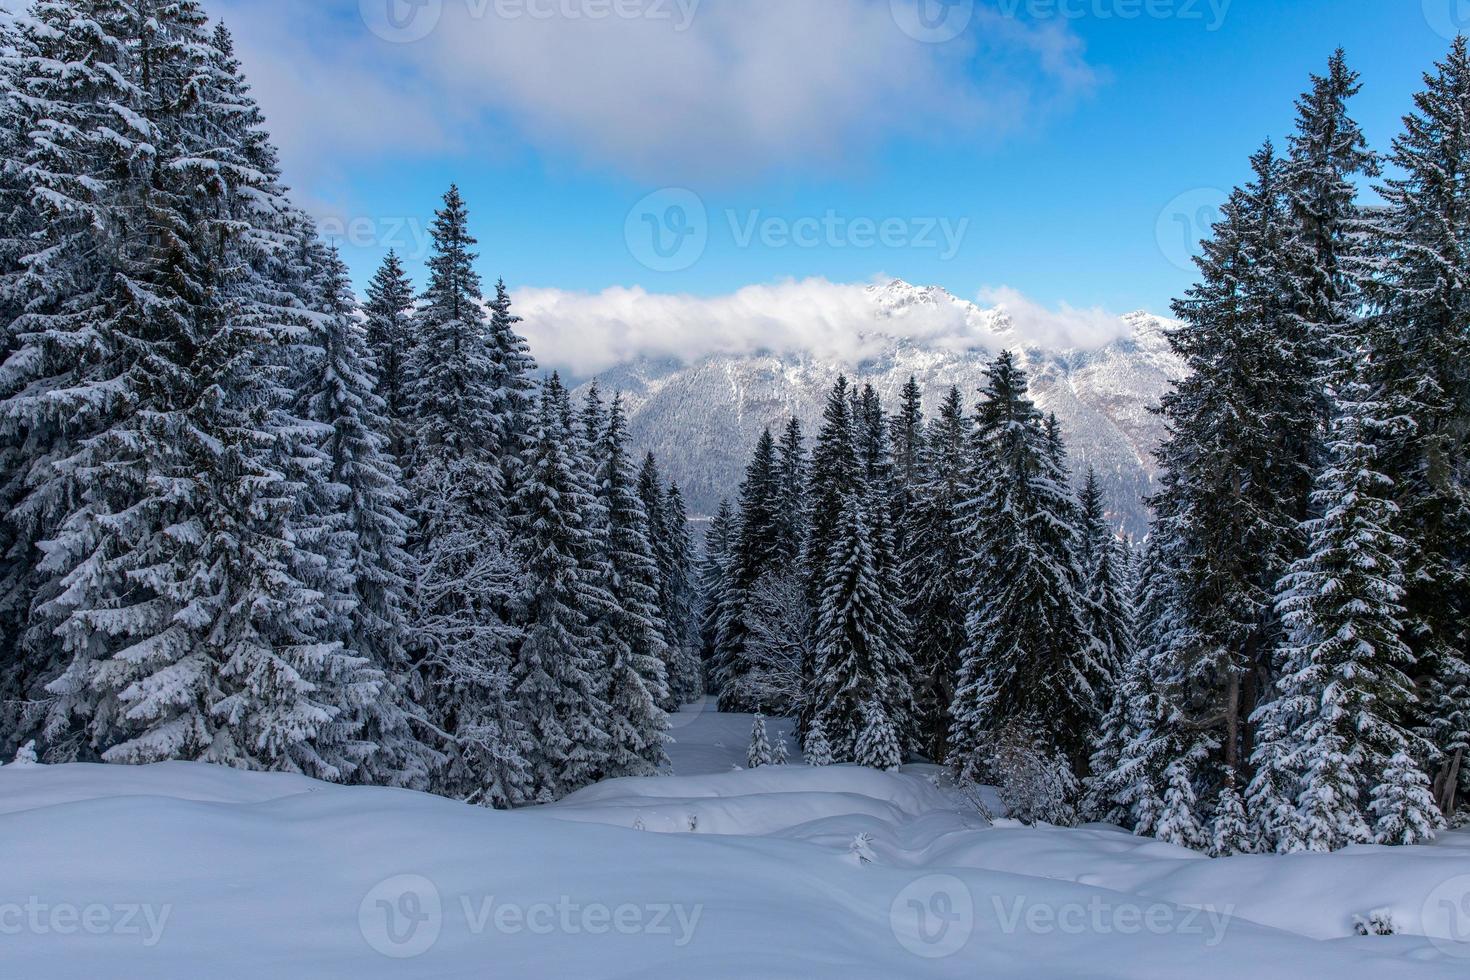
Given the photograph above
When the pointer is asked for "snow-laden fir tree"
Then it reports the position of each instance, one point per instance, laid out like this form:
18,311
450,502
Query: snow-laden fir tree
512,376
755,552
906,430
631,622
791,496
862,668
1237,470
388,317
834,477
686,672
1029,656
1178,822
1397,804
877,745
1229,829
467,576
366,495
1344,691
1104,562
760,753
559,663
932,555
1421,301
714,570
816,749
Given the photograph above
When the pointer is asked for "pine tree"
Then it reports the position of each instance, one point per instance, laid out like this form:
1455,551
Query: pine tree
755,552
1229,832
1344,689
1104,563
877,746
686,674
791,496
388,317
834,476
1029,657
1237,470
932,555
631,621
467,575
816,748
558,663
1401,804
713,574
760,746
512,376
861,662
364,494
1178,823
1420,299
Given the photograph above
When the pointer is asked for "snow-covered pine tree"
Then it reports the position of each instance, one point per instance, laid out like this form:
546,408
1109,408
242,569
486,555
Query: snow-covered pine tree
755,552
1229,830
835,475
632,623
655,506
760,753
791,504
1178,822
713,573
860,659
513,375
365,493
906,429
932,584
388,317
1029,657
1421,300
1104,563
686,674
1344,687
1237,471
1327,153
816,749
1397,804
467,577
558,669
877,745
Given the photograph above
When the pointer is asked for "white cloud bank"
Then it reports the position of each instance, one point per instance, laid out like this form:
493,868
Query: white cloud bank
587,333
708,89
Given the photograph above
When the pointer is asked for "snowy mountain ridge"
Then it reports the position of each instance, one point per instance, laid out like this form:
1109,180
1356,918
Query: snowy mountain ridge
703,417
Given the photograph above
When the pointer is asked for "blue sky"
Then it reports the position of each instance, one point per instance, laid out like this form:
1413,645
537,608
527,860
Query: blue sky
1063,149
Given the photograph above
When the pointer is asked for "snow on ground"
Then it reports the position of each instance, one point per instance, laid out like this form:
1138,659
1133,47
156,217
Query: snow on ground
183,870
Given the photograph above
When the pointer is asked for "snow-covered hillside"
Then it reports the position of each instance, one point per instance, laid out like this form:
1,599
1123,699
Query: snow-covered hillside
186,870
703,418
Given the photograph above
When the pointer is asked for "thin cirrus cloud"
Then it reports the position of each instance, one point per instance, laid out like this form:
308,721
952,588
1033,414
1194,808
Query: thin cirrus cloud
714,89
585,333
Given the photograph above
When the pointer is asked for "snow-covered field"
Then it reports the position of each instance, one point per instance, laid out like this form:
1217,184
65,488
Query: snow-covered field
188,871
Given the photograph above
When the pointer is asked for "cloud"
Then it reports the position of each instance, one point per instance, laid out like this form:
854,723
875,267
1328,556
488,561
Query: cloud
708,89
586,333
